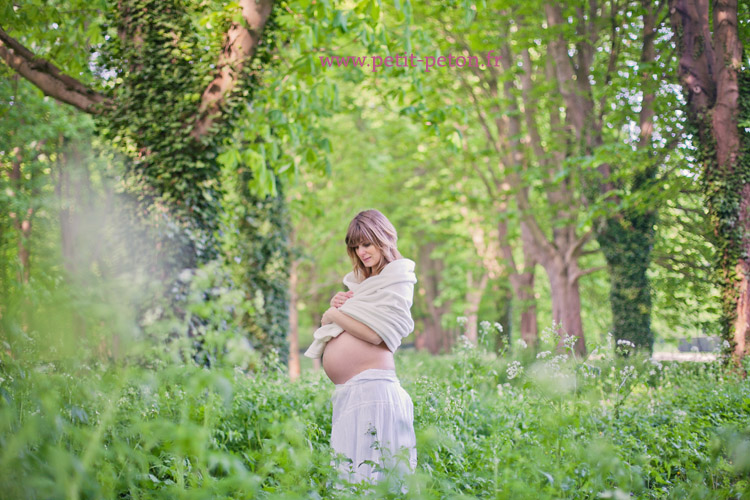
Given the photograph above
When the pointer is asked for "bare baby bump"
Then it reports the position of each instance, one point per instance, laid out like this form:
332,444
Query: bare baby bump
346,355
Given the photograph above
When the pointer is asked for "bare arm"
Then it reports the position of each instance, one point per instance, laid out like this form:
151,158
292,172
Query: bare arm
352,326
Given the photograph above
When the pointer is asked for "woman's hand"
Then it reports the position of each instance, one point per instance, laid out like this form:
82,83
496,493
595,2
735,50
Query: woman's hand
327,320
341,297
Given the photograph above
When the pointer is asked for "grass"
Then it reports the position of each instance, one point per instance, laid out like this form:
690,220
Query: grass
488,426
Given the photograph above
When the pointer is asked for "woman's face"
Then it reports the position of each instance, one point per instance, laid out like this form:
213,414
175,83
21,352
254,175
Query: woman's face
369,254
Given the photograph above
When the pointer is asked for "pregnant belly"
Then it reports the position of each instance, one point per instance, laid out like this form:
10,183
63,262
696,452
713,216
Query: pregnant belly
346,355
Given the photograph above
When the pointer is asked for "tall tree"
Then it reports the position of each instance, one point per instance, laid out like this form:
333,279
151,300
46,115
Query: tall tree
716,80
626,237
625,232
164,81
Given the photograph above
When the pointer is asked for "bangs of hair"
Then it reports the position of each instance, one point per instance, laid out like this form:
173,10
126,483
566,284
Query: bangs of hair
359,234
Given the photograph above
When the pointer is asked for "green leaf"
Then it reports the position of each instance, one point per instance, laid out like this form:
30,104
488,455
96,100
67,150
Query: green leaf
361,6
229,158
339,21
375,11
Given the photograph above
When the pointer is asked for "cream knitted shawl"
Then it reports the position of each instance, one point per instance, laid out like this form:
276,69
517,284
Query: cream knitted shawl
382,302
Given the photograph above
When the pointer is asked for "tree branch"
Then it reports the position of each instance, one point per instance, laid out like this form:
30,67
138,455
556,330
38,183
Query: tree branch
240,44
48,77
575,106
574,249
690,26
613,55
480,114
576,276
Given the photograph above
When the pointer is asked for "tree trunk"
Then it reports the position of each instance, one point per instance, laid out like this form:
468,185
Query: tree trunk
710,73
489,255
473,299
566,300
22,222
523,287
502,339
559,256
741,336
240,44
433,337
70,224
522,282
294,364
626,242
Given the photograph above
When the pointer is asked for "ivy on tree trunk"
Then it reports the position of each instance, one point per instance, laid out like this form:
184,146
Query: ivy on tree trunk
716,91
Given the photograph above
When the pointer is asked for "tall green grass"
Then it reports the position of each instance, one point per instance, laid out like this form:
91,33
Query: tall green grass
527,425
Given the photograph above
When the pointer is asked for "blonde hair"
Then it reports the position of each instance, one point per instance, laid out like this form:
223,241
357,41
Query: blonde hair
371,226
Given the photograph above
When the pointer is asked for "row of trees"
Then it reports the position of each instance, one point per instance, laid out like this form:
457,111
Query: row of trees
571,154
579,145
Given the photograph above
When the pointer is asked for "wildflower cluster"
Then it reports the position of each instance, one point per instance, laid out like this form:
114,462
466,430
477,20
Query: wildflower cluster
514,369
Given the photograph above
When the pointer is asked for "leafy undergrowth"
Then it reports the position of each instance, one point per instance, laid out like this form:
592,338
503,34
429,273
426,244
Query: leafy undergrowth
532,425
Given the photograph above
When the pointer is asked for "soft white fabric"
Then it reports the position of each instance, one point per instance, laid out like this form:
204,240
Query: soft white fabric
382,302
373,420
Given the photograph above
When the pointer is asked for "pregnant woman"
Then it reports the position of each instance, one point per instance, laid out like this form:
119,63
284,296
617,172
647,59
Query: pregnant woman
373,416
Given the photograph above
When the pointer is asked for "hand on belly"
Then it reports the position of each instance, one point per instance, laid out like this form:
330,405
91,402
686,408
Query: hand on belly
346,356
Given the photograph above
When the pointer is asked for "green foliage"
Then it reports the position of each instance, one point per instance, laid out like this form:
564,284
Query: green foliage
487,427
61,32
255,252
627,243
724,187
281,134
382,162
681,276
34,133
154,60
161,56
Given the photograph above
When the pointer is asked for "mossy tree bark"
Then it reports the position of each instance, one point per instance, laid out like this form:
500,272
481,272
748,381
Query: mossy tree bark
716,91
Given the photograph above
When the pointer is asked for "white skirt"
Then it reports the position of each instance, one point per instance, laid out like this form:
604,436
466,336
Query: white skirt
373,427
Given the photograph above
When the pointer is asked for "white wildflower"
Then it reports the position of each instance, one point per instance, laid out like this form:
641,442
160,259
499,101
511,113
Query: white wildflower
588,371
543,354
498,327
625,342
570,341
725,344
550,334
514,369
462,321
522,343
627,371
465,342
657,364
555,362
